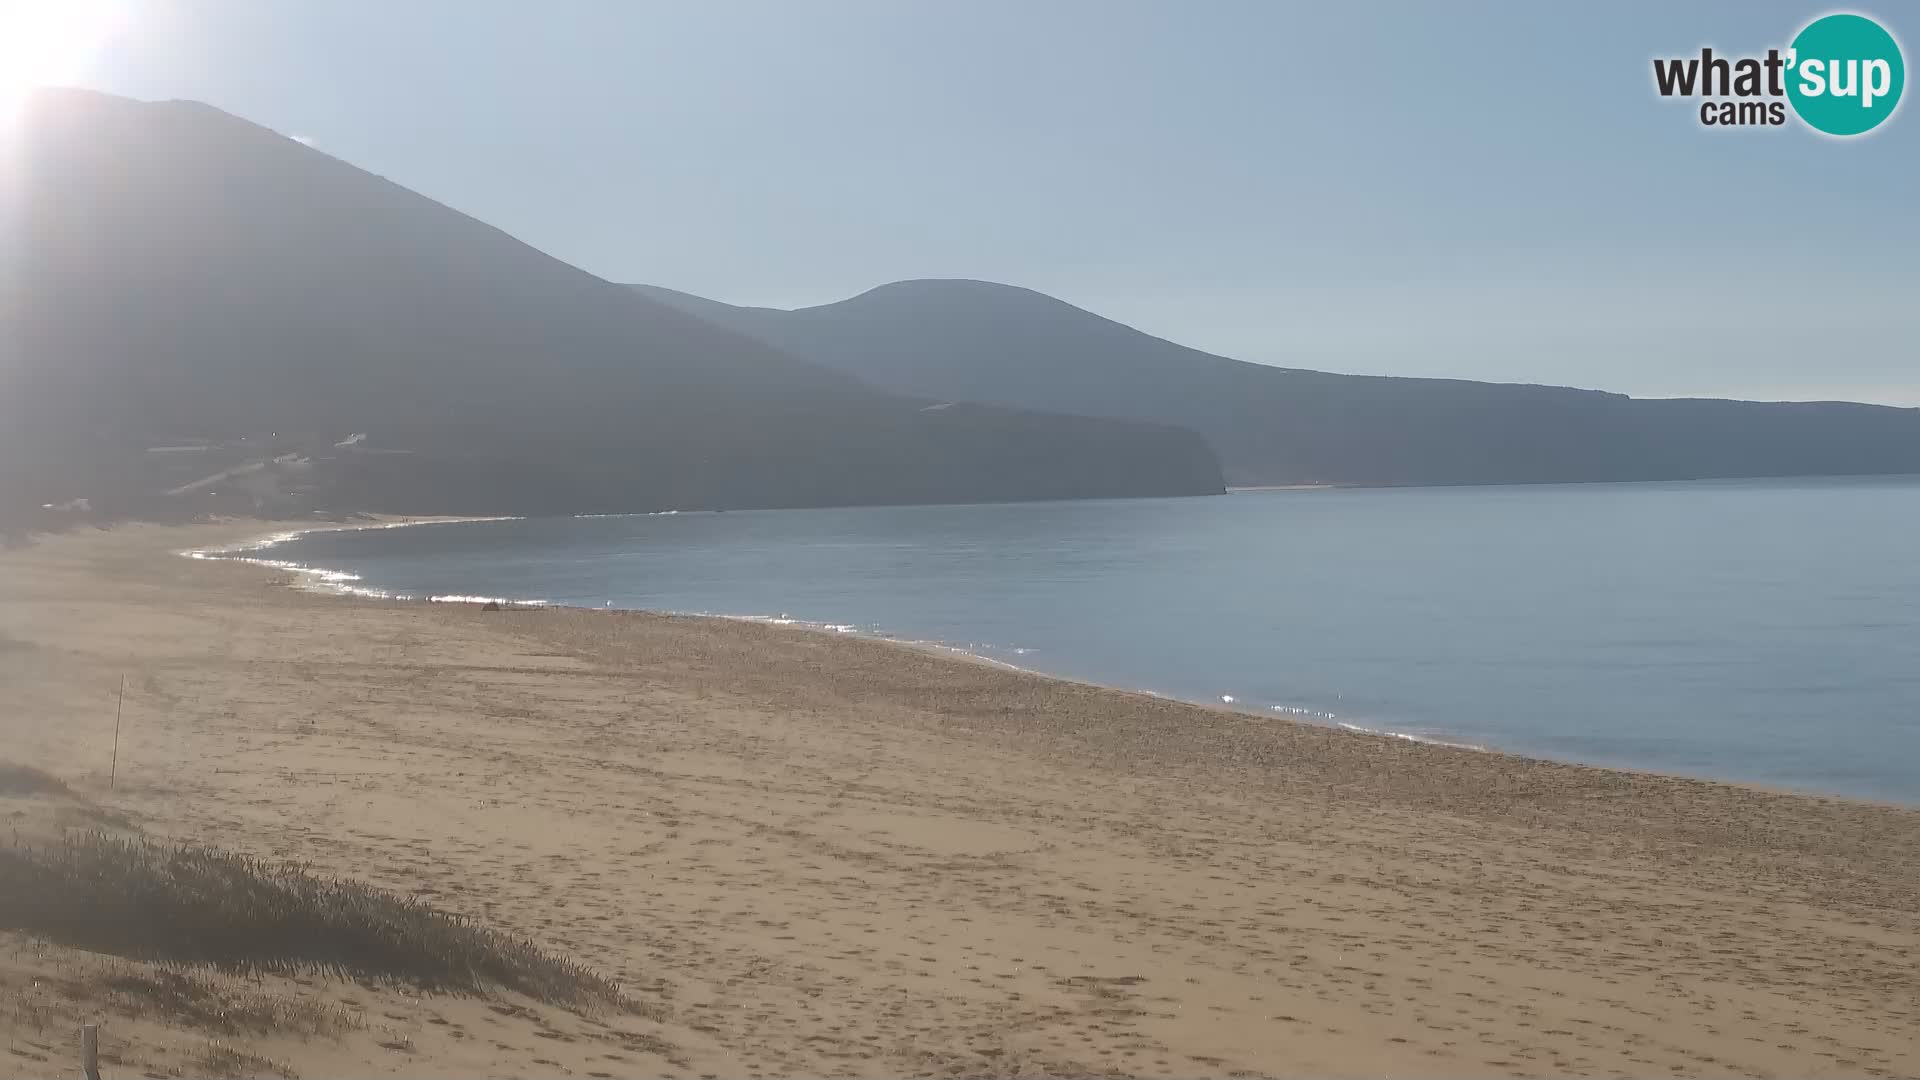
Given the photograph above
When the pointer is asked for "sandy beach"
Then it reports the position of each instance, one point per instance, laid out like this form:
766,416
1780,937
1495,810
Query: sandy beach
814,854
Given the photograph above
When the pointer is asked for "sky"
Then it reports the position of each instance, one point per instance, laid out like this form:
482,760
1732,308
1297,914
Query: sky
1478,191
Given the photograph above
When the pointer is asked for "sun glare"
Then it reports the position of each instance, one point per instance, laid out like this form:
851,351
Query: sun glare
49,43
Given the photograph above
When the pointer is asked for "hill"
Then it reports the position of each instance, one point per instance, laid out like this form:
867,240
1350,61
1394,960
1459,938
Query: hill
978,341
192,304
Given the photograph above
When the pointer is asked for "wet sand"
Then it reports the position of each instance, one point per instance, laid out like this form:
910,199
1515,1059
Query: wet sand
811,854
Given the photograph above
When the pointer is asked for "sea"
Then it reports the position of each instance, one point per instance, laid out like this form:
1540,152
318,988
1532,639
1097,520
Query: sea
1765,631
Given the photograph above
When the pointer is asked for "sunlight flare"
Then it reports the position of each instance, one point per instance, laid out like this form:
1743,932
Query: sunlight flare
49,43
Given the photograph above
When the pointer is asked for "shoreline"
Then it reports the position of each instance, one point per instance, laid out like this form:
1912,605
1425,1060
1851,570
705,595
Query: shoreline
818,854
328,581
335,582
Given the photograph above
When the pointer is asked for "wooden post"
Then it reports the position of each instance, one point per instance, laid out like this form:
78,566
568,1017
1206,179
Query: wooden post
119,707
90,1051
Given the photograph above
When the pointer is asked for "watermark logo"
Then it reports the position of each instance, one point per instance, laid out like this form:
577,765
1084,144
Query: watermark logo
1842,75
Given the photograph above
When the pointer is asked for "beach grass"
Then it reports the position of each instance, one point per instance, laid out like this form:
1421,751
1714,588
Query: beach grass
224,1061
186,904
198,1000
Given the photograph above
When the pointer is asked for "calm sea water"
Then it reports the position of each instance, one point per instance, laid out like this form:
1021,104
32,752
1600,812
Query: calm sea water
1760,631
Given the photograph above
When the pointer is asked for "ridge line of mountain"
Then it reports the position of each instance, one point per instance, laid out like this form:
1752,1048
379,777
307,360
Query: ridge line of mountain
970,340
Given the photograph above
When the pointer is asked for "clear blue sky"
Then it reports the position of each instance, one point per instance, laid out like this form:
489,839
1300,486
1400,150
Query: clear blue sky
1467,190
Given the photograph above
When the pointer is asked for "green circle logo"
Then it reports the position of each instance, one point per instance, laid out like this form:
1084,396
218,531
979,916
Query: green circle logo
1845,74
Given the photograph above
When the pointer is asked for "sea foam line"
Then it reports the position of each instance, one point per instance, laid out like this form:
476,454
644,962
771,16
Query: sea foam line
339,582
1317,717
1424,740
969,651
1323,718
642,513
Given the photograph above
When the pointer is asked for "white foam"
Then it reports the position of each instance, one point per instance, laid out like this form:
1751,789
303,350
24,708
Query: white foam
777,620
312,578
1424,740
648,513
328,580
959,650
1311,714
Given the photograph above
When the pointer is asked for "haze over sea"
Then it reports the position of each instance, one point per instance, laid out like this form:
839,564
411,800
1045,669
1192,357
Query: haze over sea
1762,631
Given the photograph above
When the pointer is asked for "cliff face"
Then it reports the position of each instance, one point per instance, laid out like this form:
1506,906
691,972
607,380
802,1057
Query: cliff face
173,274
978,341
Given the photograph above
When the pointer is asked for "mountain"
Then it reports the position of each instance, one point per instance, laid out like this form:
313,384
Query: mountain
978,341
192,303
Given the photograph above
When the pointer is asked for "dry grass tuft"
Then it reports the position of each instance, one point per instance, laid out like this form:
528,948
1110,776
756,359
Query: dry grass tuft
217,1059
195,905
192,999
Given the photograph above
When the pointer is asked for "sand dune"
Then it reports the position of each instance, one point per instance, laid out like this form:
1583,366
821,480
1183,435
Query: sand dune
817,855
